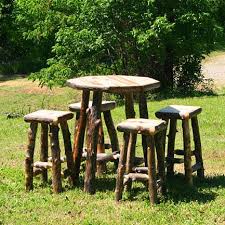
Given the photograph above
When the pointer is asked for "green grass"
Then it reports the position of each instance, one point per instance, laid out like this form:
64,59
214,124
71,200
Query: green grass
202,204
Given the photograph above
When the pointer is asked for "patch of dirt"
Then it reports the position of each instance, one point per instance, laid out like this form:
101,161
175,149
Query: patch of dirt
29,87
213,67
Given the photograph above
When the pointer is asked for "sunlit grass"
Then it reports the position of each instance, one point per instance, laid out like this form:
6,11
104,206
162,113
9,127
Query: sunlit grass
203,204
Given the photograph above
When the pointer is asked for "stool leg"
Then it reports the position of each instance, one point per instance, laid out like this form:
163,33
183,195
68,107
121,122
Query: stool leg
101,166
112,133
130,157
198,147
171,145
143,109
68,151
79,134
121,167
92,134
187,151
44,149
151,170
160,150
30,156
56,162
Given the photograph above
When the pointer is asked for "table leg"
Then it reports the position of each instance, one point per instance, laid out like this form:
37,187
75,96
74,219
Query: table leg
79,134
143,109
130,113
92,141
101,166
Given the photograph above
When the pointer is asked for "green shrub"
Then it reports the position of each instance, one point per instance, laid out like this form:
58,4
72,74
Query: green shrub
161,39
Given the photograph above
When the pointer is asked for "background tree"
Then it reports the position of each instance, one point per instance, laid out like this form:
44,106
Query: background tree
162,39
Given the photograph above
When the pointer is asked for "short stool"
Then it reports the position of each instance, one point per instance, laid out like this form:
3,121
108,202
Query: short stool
48,119
171,114
106,108
153,129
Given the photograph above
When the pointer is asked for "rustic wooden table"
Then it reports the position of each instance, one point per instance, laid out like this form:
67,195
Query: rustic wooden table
126,85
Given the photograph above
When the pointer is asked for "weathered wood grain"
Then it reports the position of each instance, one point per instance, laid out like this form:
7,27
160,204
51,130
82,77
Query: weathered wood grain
48,116
114,83
178,112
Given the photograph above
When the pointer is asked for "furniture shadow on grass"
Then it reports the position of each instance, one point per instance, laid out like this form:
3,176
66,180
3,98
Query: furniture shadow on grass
179,191
105,183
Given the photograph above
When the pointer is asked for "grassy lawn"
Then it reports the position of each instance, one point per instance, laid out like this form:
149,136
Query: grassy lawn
203,204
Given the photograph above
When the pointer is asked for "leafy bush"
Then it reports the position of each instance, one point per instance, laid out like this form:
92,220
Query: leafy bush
161,39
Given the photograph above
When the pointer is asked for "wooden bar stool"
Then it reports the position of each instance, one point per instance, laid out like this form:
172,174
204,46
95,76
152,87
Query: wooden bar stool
102,157
153,130
172,113
48,119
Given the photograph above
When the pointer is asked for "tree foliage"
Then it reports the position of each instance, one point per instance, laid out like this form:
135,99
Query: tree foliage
157,38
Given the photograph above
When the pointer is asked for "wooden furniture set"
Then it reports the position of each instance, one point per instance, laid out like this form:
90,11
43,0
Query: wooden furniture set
88,119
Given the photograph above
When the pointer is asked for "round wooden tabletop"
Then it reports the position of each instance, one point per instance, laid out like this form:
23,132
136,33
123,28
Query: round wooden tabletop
114,83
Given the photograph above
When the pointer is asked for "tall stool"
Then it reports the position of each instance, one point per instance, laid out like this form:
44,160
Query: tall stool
153,129
172,113
106,108
48,119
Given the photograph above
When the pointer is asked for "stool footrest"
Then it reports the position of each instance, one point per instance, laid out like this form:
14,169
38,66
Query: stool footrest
196,167
104,157
62,159
140,169
42,165
174,160
181,152
135,177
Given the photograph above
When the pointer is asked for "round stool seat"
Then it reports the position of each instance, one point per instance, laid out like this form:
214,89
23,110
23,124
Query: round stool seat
178,112
48,116
142,126
105,106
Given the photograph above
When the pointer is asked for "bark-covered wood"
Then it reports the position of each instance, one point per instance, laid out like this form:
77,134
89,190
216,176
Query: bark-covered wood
130,157
101,165
135,177
56,163
143,109
105,157
121,168
30,156
171,145
130,113
129,105
160,162
187,152
68,152
62,159
141,169
42,165
79,134
112,133
92,141
198,146
44,149
151,170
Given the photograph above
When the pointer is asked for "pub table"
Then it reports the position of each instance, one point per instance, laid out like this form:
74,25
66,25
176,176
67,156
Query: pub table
120,84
